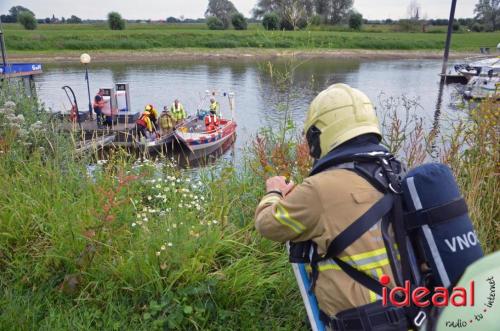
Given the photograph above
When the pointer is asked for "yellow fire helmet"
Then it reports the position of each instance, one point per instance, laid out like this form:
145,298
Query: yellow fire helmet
337,115
148,108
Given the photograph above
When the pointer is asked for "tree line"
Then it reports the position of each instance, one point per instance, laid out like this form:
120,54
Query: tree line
288,15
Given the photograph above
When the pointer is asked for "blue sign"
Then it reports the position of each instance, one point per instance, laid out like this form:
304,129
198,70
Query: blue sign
19,69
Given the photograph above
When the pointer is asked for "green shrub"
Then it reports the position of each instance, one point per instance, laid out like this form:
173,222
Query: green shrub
286,25
215,23
239,21
316,20
476,27
271,21
115,21
355,21
456,26
27,20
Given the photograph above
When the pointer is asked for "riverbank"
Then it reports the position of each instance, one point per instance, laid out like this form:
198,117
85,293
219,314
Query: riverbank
181,40
249,54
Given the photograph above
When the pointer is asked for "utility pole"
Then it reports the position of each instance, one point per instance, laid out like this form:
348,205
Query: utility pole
448,39
2,46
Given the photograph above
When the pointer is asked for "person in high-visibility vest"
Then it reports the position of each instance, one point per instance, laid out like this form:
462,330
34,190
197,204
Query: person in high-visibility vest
214,106
212,121
178,112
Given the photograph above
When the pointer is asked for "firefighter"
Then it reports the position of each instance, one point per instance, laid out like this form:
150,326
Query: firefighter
154,116
341,121
167,121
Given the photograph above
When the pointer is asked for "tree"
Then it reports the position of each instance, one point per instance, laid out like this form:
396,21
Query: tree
27,20
7,19
222,9
271,21
115,21
239,21
74,20
488,13
214,23
355,20
339,10
16,10
293,14
173,20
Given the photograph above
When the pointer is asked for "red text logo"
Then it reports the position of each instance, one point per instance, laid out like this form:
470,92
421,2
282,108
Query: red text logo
423,297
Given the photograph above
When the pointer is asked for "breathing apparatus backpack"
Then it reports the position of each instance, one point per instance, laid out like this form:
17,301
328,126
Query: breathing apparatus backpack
428,235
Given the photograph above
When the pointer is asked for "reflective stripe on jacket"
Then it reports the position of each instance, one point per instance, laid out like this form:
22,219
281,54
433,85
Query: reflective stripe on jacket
319,209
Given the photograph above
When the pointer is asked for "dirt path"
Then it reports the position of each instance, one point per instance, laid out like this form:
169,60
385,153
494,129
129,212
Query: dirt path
223,55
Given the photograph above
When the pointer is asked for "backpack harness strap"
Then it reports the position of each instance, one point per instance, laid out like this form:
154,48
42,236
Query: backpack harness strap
436,215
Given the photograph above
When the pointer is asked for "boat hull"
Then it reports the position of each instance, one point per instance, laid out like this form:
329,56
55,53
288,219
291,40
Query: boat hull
207,141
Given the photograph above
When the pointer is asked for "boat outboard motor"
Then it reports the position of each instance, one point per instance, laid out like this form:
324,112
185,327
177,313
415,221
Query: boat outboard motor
438,221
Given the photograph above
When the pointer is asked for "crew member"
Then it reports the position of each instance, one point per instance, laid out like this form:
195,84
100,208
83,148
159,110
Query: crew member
178,112
167,121
144,125
154,116
214,106
341,121
99,103
212,121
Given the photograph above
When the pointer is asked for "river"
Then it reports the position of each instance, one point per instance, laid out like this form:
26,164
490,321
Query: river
255,95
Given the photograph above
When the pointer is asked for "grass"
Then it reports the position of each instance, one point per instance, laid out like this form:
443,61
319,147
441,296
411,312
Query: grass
134,246
160,36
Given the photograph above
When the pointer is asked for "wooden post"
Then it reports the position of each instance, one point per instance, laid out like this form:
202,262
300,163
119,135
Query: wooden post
448,39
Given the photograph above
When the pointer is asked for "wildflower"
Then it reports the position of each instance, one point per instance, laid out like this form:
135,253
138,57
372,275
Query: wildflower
149,198
158,253
174,226
133,224
169,244
145,219
214,222
163,247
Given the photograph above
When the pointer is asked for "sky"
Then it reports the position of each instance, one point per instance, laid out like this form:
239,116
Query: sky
161,9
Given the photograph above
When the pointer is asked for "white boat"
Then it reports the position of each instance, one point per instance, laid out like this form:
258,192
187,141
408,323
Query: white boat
486,85
475,66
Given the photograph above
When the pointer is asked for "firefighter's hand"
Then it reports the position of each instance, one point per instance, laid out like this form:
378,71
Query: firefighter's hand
278,183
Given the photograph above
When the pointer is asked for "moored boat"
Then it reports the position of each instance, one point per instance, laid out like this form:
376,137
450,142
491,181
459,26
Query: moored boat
198,140
483,86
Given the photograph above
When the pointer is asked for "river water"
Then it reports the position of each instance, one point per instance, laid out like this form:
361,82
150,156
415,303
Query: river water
256,95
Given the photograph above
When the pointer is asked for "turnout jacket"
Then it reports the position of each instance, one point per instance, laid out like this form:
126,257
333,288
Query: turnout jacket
319,209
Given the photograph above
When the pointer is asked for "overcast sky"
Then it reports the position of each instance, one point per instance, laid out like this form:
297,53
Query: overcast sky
160,9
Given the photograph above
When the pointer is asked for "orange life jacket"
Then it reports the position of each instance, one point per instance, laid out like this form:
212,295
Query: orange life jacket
211,122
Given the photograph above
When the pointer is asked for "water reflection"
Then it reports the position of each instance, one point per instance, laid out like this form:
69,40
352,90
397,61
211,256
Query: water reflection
256,96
